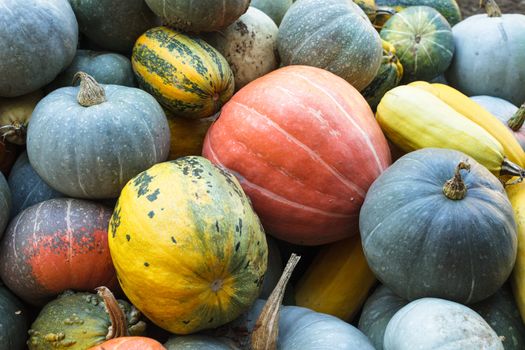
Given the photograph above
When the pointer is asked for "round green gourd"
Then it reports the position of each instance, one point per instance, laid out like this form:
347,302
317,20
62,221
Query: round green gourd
273,8
104,67
13,322
423,238
448,8
39,40
79,321
198,15
432,323
5,203
114,25
90,148
335,35
423,41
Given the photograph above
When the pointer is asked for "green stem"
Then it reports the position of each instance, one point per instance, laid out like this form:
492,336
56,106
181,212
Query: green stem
491,7
455,188
516,122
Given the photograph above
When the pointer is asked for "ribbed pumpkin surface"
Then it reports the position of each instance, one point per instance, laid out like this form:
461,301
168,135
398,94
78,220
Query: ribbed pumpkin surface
448,8
130,343
184,73
306,147
188,249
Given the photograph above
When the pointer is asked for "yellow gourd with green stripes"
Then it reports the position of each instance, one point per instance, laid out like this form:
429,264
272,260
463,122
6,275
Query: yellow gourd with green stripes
189,250
184,73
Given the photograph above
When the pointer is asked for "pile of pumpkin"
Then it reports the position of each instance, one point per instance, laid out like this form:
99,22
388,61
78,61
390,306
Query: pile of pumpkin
173,153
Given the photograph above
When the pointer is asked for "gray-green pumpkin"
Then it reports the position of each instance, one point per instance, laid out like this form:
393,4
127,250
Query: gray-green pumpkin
38,39
431,228
423,41
27,187
13,322
198,15
5,203
431,323
335,35
249,45
273,8
90,145
104,67
114,25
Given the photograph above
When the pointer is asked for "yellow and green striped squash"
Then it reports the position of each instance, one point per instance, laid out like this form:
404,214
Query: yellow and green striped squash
189,251
184,73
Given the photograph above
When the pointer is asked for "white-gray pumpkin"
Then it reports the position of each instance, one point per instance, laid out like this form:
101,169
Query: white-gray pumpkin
433,324
38,39
490,56
90,147
249,45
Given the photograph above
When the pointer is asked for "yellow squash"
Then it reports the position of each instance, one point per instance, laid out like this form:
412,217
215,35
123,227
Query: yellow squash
479,115
517,199
189,250
413,118
338,280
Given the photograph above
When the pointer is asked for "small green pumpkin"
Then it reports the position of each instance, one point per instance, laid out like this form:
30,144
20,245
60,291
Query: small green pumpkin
79,321
448,8
423,41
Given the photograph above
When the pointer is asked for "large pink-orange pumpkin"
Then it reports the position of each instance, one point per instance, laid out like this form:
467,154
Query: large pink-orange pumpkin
305,147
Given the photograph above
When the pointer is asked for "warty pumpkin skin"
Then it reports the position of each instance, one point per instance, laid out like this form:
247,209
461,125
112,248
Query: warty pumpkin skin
335,35
104,67
90,149
39,42
189,251
421,238
198,15
184,73
432,323
338,150
13,321
5,203
68,234
15,113
27,187
114,25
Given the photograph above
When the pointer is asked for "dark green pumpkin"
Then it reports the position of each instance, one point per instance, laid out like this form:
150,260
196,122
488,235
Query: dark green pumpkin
423,41
335,35
78,321
13,323
421,238
92,151
198,15
448,8
105,67
27,187
114,25
5,203
275,9
379,308
39,40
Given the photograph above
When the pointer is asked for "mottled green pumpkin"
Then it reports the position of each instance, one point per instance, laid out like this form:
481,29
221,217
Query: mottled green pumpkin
448,8
104,67
78,321
423,41
189,250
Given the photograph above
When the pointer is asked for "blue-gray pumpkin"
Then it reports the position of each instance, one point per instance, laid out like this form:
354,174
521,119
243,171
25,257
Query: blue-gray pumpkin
38,39
91,145
335,35
13,322
275,9
430,228
104,67
114,25
5,203
27,187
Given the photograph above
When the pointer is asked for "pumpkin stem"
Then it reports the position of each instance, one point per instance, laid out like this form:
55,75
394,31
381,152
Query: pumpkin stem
491,7
509,168
119,327
15,129
266,330
91,93
455,188
516,122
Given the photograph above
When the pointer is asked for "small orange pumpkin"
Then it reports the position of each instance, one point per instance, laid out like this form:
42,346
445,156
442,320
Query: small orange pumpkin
130,343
